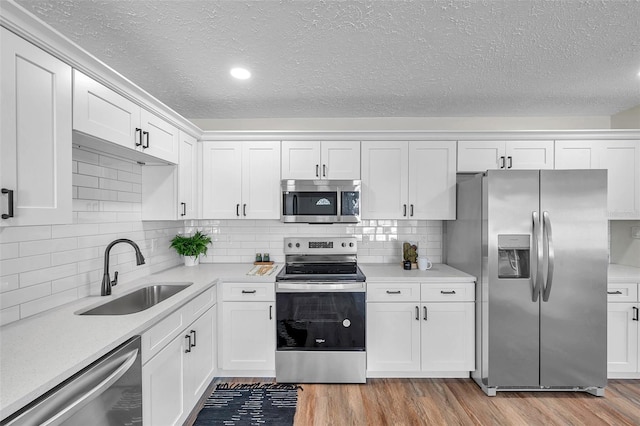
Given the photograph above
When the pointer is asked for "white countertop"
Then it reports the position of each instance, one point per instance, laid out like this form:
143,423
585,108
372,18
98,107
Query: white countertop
439,273
623,273
39,352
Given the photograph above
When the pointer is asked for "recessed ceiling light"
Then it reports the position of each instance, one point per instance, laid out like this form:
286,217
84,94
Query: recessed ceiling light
240,73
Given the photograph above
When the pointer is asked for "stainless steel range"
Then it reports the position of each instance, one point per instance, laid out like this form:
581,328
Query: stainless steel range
320,312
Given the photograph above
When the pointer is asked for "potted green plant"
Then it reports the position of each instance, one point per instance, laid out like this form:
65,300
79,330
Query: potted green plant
191,247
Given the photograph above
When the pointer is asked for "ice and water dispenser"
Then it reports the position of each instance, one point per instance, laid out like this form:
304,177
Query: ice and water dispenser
514,252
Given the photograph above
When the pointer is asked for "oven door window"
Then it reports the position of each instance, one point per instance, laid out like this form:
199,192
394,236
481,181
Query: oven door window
320,321
310,204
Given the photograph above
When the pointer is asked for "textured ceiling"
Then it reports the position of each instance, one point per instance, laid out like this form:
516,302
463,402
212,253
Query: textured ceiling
366,58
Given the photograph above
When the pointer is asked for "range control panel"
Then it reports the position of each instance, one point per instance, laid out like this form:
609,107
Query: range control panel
320,245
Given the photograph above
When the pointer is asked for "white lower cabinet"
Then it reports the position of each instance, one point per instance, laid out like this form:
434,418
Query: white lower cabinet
420,330
176,374
248,334
623,331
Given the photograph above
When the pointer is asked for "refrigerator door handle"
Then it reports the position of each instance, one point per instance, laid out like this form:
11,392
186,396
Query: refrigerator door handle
548,236
536,276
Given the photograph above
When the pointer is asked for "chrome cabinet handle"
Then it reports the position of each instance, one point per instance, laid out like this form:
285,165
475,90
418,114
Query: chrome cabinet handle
139,136
248,291
614,292
393,292
417,313
184,209
425,312
188,337
193,333
324,170
548,232
9,193
502,162
635,313
447,292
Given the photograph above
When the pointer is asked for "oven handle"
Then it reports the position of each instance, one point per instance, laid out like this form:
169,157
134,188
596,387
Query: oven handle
320,287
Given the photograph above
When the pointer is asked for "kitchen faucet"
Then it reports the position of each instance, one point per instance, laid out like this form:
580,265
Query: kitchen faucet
106,279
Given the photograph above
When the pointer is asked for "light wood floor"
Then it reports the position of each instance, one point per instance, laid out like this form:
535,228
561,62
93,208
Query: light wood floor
458,402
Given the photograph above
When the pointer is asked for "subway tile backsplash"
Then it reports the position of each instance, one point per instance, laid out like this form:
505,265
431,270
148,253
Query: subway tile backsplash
42,267
379,241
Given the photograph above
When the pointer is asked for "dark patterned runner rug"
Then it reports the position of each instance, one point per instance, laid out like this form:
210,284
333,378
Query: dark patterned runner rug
250,404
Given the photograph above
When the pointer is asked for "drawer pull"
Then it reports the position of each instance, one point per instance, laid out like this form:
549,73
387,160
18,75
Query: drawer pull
248,291
614,292
448,292
394,292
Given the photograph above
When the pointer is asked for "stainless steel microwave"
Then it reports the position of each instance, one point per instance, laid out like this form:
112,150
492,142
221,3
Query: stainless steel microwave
320,201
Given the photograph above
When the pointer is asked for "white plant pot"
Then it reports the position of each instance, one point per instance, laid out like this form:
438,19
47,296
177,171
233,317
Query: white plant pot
191,260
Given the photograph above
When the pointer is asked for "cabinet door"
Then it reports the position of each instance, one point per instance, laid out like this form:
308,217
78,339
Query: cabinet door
385,180
162,386
160,139
531,155
248,336
448,342
576,155
187,178
479,156
200,361
340,160
432,180
261,180
393,337
104,114
622,160
35,160
622,338
221,180
300,160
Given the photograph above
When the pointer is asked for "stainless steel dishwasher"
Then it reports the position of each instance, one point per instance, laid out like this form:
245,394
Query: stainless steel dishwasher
107,392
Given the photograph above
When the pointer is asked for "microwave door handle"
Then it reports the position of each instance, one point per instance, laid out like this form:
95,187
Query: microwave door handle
295,205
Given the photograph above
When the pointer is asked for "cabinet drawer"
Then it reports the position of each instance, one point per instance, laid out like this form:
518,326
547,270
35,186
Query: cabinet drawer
162,333
200,304
622,292
248,291
453,292
393,292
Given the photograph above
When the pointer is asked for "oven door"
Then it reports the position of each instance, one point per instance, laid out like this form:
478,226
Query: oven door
320,316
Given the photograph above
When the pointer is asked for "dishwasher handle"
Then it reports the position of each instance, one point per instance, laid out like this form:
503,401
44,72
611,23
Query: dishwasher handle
72,396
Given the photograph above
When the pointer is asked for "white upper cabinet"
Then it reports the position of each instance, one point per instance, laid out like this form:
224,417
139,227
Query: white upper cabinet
241,180
35,146
159,138
621,158
187,178
100,112
104,114
479,156
321,160
408,180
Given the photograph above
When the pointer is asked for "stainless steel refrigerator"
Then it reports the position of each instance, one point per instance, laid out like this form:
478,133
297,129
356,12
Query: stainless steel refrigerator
537,241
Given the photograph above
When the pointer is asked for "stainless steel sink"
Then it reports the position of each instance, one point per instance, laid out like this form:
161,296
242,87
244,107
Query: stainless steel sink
138,300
